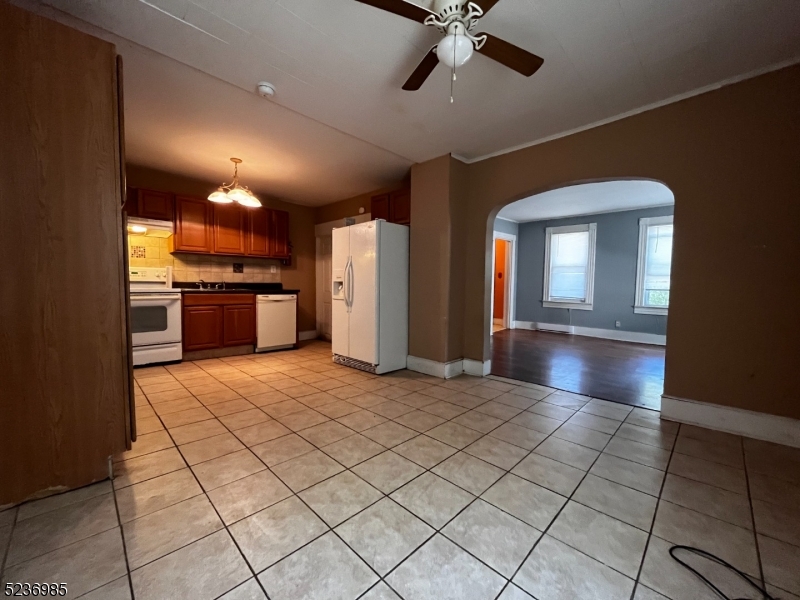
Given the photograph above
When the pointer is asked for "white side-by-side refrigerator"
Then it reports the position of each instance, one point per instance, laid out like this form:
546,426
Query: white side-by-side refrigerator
370,296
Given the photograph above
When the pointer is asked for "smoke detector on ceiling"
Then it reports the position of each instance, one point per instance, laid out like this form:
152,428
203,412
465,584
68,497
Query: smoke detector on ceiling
266,90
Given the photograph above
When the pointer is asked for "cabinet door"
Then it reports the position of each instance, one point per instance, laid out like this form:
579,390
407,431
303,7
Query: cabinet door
228,229
131,205
380,207
240,325
400,207
192,225
258,224
154,205
202,327
279,234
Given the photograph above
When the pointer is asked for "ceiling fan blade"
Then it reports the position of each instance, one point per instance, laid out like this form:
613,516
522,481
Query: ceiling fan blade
486,5
406,9
510,55
422,71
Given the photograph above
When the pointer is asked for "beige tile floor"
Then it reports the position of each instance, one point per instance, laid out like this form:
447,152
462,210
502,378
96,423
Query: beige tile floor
285,476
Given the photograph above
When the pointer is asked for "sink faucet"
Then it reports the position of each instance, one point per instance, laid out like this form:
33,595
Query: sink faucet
200,284
220,286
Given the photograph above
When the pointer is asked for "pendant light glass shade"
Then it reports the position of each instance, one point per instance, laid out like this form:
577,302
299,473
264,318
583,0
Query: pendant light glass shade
238,195
220,196
233,192
454,50
250,202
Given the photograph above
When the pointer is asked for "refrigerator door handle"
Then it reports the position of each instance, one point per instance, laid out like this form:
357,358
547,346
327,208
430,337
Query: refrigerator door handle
352,283
346,283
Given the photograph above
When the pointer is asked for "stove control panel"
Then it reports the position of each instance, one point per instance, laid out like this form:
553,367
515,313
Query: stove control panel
151,275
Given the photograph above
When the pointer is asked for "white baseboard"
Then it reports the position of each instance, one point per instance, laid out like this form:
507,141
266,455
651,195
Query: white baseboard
477,368
608,334
307,335
761,426
434,368
449,369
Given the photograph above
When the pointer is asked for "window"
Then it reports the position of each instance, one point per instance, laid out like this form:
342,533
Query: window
569,266
653,266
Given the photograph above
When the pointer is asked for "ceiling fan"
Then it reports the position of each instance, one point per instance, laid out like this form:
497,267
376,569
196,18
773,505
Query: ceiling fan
456,19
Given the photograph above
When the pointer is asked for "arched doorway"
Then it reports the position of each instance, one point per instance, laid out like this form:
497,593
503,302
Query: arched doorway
589,291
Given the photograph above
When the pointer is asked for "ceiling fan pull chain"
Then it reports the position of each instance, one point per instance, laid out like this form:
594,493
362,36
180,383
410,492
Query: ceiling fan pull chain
452,81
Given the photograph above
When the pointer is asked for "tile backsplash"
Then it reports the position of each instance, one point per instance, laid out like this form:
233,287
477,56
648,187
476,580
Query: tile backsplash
193,267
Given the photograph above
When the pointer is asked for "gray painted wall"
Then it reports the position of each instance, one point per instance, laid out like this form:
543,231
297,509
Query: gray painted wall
614,275
504,226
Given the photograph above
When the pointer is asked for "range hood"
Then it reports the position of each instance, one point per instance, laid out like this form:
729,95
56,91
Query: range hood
149,227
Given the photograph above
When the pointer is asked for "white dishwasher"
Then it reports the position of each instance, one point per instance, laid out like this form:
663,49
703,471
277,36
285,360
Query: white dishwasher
276,322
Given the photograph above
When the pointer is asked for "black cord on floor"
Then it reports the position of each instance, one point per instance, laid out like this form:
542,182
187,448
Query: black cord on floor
719,561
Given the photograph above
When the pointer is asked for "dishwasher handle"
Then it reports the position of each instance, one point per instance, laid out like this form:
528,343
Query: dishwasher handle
276,298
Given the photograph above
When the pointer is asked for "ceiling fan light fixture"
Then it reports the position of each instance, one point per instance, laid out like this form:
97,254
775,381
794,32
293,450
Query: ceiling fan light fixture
455,50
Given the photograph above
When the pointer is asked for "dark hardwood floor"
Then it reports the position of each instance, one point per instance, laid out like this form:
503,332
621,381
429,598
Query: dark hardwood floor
619,371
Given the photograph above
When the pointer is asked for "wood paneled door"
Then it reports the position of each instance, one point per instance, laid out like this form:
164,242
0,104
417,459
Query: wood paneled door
279,234
380,207
202,327
394,207
257,232
229,232
64,375
192,225
400,207
239,325
154,205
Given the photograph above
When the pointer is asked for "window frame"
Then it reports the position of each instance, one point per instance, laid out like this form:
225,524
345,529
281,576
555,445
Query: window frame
547,300
638,306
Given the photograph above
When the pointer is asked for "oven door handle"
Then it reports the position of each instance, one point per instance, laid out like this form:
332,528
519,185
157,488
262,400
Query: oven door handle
169,297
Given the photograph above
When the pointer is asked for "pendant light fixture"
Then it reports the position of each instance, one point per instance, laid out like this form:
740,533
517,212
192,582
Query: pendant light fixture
233,192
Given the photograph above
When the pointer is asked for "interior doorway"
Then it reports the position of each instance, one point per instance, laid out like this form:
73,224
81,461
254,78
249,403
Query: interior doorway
324,276
503,289
594,269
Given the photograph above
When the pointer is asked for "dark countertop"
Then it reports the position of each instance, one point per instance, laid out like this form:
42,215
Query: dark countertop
233,288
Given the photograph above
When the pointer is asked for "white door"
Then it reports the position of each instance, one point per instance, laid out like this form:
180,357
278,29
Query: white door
340,310
324,285
364,292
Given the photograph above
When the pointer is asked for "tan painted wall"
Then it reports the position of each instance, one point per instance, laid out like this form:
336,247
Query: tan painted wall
732,159
300,275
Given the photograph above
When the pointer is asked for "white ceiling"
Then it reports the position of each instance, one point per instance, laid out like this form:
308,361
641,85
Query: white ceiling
341,63
588,199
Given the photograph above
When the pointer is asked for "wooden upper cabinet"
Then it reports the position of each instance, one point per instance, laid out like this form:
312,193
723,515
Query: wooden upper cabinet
257,232
380,207
154,205
193,225
205,227
229,232
239,326
279,234
400,207
394,207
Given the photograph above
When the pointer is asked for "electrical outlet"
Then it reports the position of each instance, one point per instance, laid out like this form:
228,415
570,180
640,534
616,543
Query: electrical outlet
618,324
273,269
238,267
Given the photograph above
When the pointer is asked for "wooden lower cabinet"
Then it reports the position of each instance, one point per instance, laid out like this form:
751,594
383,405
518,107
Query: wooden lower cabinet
239,325
212,321
202,327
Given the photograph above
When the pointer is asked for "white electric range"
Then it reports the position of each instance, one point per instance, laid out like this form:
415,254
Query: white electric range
155,316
